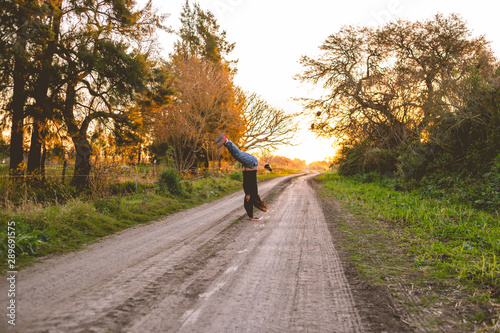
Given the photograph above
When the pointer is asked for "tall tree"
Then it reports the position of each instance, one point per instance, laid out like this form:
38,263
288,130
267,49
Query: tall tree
90,59
107,66
47,38
386,86
204,104
205,100
437,55
17,25
201,36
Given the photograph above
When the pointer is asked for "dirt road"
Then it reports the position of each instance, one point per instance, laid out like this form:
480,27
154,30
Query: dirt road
208,269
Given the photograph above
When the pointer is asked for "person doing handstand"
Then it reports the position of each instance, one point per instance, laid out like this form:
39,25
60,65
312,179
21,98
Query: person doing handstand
249,163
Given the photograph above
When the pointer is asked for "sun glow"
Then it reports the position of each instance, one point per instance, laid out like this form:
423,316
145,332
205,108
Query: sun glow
309,148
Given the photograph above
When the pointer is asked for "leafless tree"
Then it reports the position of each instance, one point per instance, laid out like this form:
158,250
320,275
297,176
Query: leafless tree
266,126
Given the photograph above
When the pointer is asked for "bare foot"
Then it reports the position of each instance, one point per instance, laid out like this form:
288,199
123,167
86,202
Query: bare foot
255,218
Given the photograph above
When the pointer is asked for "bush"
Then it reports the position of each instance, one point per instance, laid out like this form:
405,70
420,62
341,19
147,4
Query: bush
360,159
28,240
237,175
413,161
170,182
50,192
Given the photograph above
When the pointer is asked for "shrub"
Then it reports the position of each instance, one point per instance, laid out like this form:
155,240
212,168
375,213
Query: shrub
123,188
16,194
413,162
28,239
364,159
237,175
170,182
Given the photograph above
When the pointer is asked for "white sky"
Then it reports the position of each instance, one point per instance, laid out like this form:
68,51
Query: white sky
272,35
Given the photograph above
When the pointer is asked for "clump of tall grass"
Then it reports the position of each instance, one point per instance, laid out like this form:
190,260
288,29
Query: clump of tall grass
17,194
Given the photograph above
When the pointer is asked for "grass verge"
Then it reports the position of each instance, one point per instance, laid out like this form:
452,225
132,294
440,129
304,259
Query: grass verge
440,260
277,173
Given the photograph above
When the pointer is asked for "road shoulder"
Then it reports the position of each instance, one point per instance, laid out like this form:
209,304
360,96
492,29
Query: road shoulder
375,303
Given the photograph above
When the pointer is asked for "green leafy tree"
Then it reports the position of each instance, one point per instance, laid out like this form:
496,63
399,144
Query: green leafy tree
201,36
91,59
158,95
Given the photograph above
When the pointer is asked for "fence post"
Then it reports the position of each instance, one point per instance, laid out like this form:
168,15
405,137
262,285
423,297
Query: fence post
65,164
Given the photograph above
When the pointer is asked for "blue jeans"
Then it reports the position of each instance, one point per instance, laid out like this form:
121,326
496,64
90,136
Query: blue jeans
247,160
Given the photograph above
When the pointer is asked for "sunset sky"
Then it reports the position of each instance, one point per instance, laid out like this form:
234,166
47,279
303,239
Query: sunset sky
272,35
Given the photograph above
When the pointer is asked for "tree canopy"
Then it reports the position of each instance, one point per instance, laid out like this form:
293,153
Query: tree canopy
400,87
65,69
266,126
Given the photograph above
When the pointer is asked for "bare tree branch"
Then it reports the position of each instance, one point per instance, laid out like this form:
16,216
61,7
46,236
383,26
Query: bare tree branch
267,126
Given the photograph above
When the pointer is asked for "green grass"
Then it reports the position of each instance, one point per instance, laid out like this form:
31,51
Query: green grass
449,252
58,228
459,242
277,173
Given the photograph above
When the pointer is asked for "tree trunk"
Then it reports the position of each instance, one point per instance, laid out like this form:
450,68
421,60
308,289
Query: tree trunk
42,162
78,135
16,167
41,113
35,153
65,165
42,109
204,157
82,162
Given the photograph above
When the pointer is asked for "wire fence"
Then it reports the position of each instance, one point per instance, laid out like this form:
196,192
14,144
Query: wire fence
104,180
144,173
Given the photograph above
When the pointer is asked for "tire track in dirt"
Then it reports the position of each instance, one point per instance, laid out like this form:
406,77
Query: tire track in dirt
285,276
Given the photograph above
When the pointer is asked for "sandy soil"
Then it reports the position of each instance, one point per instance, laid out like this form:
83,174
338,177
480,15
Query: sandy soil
208,269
